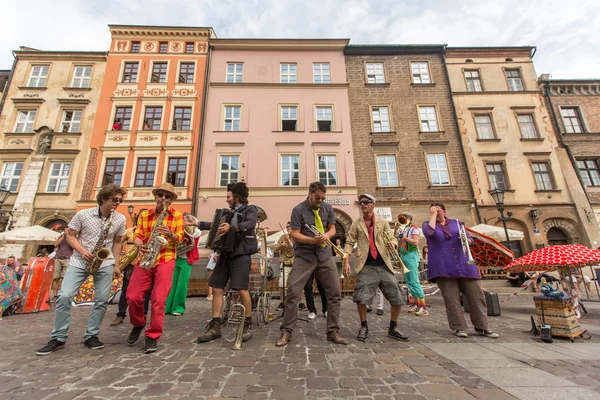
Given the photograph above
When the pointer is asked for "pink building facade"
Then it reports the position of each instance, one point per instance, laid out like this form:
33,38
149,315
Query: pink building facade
277,118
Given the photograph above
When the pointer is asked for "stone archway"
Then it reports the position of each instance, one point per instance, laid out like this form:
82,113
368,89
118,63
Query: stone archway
568,228
556,236
342,224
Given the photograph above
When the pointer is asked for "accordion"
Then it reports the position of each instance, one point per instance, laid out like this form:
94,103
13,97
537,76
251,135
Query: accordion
226,242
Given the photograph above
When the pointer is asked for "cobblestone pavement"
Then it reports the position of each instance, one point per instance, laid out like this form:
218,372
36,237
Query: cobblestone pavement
434,364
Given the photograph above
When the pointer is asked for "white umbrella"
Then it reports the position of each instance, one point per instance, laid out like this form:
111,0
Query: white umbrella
497,232
37,234
274,238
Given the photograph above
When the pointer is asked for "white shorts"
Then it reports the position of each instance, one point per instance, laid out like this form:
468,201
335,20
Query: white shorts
288,270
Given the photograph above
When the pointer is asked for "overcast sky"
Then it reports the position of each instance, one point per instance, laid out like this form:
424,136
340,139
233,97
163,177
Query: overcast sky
566,33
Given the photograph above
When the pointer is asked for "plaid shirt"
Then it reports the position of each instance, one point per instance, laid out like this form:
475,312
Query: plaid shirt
173,220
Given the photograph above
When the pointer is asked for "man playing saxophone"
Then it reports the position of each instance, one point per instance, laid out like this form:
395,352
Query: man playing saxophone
158,233
95,235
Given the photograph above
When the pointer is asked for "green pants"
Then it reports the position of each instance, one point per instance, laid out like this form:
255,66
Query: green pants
411,260
179,288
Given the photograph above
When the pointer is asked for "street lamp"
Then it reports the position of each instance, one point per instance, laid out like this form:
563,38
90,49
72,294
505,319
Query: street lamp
498,196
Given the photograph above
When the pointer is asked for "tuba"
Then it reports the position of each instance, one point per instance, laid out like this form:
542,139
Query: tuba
100,253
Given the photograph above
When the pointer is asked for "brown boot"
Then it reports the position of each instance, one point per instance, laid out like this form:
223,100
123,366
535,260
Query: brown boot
283,339
117,321
336,338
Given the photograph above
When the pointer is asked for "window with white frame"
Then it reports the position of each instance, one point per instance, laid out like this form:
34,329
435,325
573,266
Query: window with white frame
235,71
420,72
229,171
527,126
483,124
11,174
588,170
25,121
497,176
82,77
71,121
381,119
513,77
375,73
290,170
321,73
232,116
388,176
58,179
327,169
542,175
428,119
572,119
288,73
324,119
38,76
438,169
473,80
289,118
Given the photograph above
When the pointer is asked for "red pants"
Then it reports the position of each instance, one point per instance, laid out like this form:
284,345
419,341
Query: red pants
141,281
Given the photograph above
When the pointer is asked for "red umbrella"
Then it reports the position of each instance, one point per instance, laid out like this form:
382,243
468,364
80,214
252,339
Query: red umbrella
488,252
561,256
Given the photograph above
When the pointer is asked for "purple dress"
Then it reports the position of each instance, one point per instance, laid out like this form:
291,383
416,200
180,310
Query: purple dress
446,257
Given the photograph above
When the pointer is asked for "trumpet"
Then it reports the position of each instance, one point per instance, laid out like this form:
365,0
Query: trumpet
394,256
465,243
191,231
328,242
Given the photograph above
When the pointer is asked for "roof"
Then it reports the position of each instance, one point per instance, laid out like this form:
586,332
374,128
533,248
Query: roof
390,49
491,51
280,44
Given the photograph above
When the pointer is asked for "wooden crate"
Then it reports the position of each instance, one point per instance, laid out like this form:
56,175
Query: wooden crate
559,314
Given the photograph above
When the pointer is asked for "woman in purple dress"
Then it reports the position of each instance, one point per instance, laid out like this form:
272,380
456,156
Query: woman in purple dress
449,267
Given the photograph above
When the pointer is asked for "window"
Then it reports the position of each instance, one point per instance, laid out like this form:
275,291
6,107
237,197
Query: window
177,170
135,47
229,170
162,47
11,174
527,126
152,119
483,123
327,170
81,77
289,118
473,81
420,72
25,121
123,114
572,119
38,76
186,72
438,169
182,119
375,73
290,170
496,176
543,179
144,177
321,73
388,176
513,77
234,72
189,47
324,119
59,177
288,73
71,121
428,119
588,170
159,72
381,119
113,171
232,118
130,72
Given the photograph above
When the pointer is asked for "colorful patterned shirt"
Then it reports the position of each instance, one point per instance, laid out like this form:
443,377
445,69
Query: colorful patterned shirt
173,220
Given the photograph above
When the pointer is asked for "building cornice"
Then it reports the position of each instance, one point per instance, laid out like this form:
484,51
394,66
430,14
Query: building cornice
281,85
160,32
42,55
504,51
280,44
391,49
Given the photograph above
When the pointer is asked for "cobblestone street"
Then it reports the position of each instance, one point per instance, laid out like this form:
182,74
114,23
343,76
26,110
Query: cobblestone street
434,364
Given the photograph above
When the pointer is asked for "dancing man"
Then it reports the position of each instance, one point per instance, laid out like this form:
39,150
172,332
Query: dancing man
160,275
96,228
373,266
313,256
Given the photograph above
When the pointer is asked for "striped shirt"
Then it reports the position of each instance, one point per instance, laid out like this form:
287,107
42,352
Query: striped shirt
173,220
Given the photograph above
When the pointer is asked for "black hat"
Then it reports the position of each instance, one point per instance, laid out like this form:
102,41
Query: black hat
240,189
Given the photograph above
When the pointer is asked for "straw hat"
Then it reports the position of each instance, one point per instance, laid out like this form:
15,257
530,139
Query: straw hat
166,187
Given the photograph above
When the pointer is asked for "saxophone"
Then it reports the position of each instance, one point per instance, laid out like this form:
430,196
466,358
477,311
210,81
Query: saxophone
100,253
155,243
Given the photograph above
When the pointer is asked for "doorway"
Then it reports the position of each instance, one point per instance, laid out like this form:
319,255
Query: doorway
556,236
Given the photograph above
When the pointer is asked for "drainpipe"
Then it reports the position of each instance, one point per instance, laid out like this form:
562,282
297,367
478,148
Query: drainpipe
201,138
10,76
462,149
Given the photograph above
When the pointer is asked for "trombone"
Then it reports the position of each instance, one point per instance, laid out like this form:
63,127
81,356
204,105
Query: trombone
394,255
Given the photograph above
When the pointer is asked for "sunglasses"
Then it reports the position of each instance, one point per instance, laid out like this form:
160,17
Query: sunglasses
165,195
117,199
364,202
317,198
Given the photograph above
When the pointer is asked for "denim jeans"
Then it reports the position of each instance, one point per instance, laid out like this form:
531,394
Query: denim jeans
74,277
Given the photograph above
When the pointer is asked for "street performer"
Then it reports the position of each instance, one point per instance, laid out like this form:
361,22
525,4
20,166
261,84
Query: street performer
167,223
373,266
234,266
313,256
95,235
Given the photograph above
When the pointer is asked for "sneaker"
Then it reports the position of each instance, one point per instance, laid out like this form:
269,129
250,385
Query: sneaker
150,346
280,306
312,315
422,311
177,314
94,343
134,335
51,347
369,308
397,334
487,333
118,321
380,312
462,334
247,332
211,332
302,306
413,309
363,333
